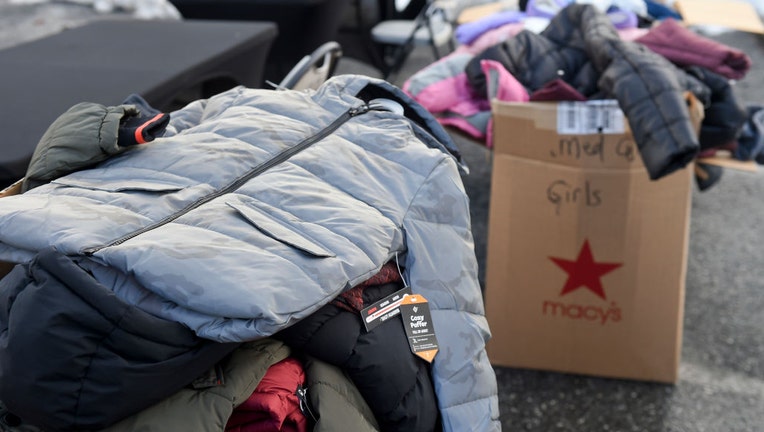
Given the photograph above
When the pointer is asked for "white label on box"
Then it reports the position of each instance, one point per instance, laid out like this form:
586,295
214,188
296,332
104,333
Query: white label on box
590,117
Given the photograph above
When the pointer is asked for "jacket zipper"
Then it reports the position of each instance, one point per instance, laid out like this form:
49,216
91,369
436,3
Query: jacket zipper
302,397
237,183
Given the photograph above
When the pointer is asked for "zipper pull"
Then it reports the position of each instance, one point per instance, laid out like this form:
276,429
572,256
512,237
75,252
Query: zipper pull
302,396
358,110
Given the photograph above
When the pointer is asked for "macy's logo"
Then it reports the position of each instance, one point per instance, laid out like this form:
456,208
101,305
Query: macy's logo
589,313
584,272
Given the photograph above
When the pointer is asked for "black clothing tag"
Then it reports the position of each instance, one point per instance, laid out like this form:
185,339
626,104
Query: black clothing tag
383,310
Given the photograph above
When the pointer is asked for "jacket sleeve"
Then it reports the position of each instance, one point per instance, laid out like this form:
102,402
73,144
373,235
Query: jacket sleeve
651,92
440,265
80,137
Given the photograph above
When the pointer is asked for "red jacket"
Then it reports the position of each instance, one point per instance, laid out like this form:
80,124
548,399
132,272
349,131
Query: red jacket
273,406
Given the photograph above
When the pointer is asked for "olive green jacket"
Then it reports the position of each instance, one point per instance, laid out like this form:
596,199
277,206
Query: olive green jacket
204,407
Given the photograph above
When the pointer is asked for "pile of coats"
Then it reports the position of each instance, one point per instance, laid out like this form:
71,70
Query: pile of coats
581,54
210,275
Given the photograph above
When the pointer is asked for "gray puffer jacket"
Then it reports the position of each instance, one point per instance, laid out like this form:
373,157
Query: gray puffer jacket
258,207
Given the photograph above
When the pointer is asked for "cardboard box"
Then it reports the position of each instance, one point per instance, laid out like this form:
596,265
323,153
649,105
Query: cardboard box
480,11
586,255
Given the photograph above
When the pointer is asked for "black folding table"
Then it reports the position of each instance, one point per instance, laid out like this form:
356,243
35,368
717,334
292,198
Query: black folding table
104,61
304,25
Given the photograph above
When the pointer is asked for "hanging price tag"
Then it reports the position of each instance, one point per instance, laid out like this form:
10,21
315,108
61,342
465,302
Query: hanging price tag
415,313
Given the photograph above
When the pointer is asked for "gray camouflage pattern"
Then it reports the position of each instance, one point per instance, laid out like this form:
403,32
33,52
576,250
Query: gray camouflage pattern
250,262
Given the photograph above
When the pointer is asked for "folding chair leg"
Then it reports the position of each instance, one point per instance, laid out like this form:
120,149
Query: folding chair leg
399,57
435,50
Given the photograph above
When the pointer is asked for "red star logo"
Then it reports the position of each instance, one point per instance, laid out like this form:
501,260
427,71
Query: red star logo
584,271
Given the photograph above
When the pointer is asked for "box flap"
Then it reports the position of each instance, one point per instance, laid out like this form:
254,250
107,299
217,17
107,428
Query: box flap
727,161
593,134
729,13
477,12
13,189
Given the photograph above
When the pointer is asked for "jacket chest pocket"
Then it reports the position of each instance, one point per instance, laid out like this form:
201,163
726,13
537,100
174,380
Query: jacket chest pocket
118,179
279,226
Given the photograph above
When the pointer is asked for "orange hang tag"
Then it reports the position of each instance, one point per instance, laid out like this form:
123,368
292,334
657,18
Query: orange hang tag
415,313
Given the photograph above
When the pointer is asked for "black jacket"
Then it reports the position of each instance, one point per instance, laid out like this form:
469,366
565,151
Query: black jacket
73,356
394,382
724,116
